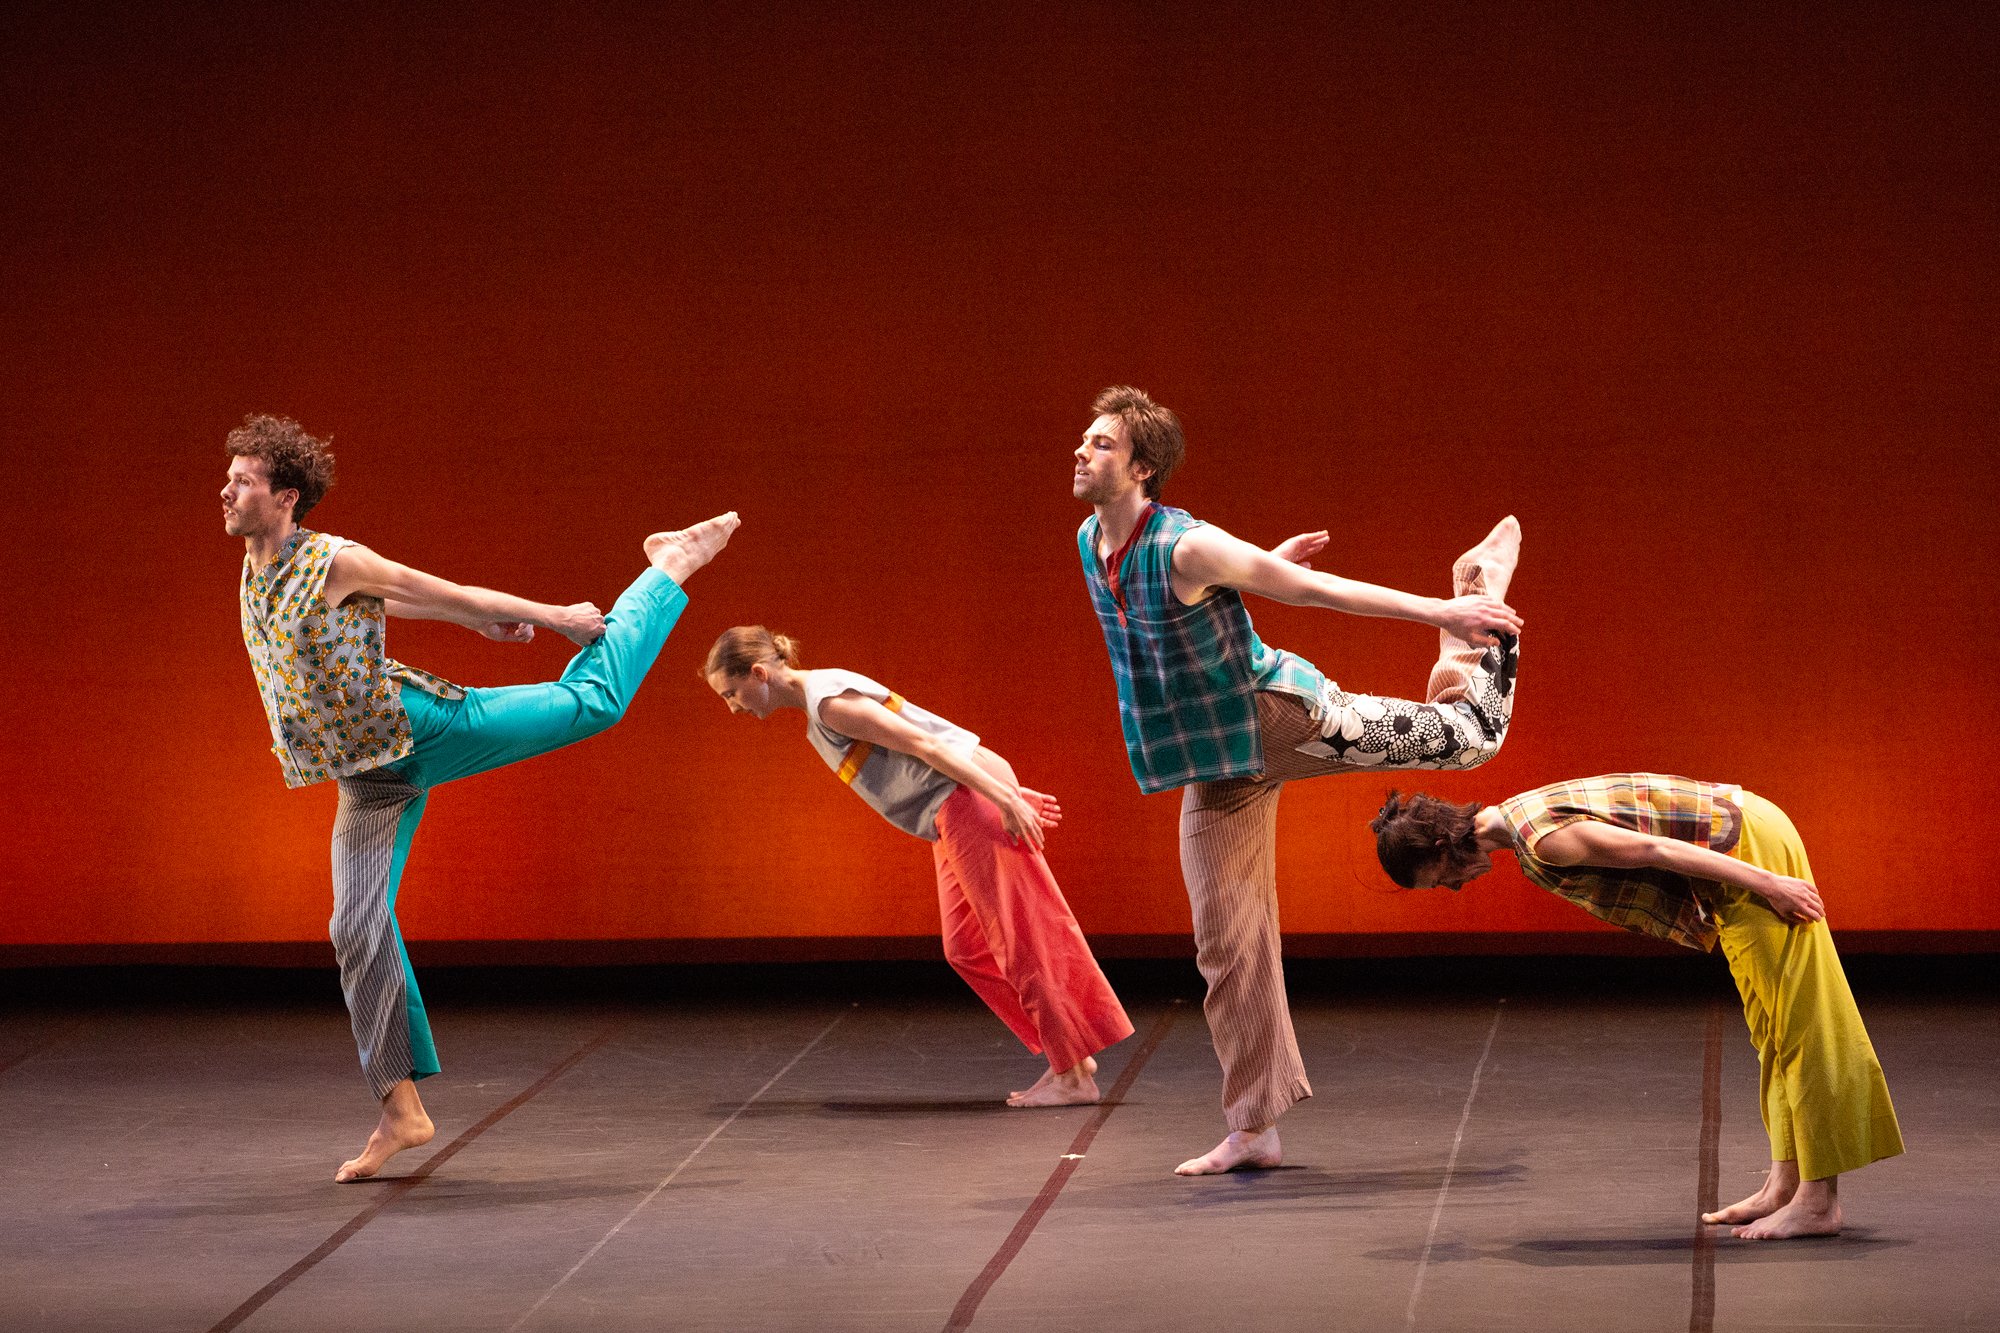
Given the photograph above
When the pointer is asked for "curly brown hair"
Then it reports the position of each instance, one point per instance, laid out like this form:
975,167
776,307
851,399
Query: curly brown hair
1414,831
295,460
1154,430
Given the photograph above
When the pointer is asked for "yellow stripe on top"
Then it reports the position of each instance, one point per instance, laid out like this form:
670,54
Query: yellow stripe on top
858,753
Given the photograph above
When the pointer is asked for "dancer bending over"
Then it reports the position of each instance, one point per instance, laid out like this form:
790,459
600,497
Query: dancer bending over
1207,708
1697,863
1007,930
341,710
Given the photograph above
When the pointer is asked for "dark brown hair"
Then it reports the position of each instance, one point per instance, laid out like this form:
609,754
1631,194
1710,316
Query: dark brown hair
1419,830
294,460
1155,432
737,650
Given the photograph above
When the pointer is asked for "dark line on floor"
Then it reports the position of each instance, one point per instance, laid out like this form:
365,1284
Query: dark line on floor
1701,1308
56,1038
968,1304
402,1185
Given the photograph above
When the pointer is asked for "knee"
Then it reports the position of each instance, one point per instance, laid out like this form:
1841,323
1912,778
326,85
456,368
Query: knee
957,957
598,709
352,939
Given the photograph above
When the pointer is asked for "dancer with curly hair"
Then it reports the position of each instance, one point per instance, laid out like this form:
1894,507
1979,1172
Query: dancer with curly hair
1698,863
314,610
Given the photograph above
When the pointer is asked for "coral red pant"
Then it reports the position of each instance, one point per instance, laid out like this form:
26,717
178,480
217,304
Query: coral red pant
1009,933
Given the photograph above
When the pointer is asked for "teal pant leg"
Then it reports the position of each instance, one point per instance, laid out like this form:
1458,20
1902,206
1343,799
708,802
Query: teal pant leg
380,809
423,1050
493,727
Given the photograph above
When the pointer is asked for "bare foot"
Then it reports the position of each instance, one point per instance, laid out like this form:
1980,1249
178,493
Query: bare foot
1493,559
1803,1216
679,554
1241,1151
1781,1182
1071,1087
404,1124
1761,1204
1087,1065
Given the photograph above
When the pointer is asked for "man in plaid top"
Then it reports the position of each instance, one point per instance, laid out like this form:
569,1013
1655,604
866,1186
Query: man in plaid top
1206,707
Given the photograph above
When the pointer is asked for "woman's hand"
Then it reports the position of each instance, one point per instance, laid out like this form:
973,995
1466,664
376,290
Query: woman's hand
1047,811
508,631
1794,899
1021,817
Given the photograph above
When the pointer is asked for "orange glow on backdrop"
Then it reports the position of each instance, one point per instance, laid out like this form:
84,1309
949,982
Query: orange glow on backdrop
1708,304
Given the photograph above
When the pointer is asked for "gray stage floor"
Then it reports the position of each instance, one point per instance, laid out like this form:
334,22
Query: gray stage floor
829,1160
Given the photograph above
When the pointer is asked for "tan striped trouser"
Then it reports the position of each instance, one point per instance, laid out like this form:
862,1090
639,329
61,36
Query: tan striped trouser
1229,852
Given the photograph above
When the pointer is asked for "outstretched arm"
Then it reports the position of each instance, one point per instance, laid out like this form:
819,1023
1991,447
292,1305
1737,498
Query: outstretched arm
415,595
1589,843
864,719
1207,557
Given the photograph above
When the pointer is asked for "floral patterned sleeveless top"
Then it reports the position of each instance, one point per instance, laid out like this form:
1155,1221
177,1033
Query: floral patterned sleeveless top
329,690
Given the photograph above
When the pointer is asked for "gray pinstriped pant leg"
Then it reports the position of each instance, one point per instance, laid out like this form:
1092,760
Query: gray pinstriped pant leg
378,813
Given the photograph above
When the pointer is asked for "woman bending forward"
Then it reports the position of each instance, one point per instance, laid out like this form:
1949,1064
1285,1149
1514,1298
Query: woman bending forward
1007,930
1697,863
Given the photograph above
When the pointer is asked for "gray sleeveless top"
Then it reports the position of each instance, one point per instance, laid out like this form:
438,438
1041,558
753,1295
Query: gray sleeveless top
901,788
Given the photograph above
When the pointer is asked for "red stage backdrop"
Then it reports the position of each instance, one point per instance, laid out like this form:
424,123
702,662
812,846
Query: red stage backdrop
1706,299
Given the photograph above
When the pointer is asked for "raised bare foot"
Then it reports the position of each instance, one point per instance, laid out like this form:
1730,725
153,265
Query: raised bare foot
1494,557
679,554
1241,1151
404,1124
1074,1086
1801,1217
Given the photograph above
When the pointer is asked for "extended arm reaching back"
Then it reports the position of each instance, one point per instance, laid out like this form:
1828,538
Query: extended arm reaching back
1207,557
1589,843
415,595
1024,813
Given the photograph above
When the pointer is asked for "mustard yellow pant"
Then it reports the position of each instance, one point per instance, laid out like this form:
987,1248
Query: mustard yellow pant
1824,1101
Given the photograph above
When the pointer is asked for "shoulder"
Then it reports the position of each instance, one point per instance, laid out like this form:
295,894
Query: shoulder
1529,817
328,549
827,683
833,680
1180,531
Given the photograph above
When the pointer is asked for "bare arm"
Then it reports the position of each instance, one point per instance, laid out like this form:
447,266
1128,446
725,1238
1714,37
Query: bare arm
1207,557
415,595
864,719
500,631
1589,843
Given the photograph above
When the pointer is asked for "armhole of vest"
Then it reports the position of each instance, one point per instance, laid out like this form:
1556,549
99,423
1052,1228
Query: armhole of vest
1167,569
812,708
333,548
